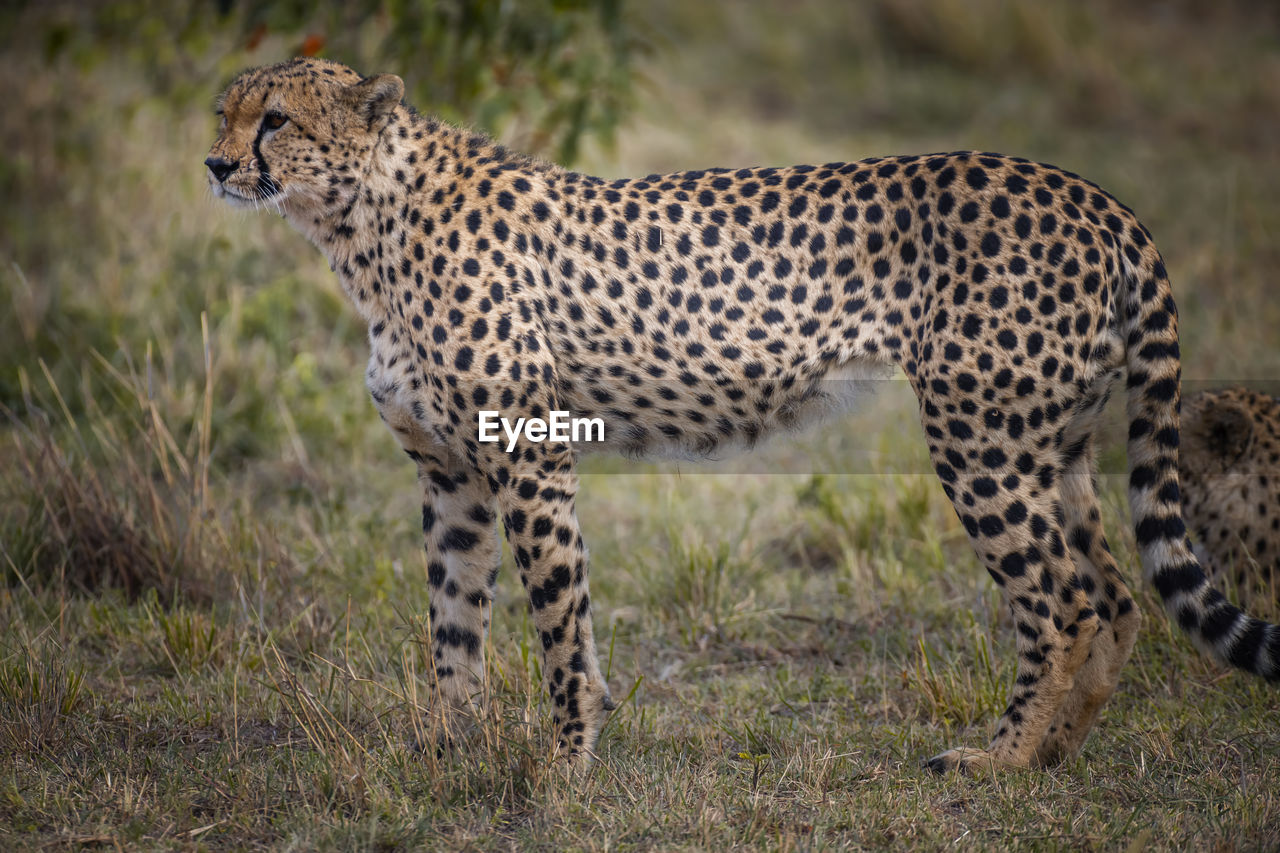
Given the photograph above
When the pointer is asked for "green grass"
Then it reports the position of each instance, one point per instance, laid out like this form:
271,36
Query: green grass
211,616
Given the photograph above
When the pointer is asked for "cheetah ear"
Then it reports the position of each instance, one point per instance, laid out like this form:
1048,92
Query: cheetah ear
1225,430
375,97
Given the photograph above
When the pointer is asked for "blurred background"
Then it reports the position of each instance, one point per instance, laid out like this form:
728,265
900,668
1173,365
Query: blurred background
144,327
183,421
109,242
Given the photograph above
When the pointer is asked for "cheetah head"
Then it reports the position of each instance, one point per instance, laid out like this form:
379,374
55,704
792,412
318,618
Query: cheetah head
296,137
1217,431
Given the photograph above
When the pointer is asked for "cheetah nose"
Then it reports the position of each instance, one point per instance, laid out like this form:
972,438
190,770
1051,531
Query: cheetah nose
221,167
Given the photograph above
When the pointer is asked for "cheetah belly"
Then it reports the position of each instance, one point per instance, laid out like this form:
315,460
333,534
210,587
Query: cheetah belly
730,425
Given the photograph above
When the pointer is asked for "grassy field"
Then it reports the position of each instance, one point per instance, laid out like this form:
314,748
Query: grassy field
212,614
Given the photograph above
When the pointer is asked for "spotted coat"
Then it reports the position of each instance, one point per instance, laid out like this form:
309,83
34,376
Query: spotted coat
699,310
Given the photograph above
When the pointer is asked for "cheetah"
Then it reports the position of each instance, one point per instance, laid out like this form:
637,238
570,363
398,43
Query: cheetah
707,309
1230,474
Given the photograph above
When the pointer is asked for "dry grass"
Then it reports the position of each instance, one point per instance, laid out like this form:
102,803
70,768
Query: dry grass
102,517
112,500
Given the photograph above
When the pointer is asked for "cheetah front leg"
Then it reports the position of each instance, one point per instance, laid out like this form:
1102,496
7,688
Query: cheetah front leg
463,554
536,488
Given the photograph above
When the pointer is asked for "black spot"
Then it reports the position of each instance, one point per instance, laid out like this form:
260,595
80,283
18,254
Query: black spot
990,525
458,539
1013,565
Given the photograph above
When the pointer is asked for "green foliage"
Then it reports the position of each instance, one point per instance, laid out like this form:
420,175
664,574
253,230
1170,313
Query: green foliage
963,685
546,74
38,691
701,584
190,638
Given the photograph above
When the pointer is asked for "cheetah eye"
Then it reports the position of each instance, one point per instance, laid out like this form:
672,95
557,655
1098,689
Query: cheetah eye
274,120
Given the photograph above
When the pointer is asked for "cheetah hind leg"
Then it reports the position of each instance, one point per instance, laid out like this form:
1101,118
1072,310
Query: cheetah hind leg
1118,615
1017,536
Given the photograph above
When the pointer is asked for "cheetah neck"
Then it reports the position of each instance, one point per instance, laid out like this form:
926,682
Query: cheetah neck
409,191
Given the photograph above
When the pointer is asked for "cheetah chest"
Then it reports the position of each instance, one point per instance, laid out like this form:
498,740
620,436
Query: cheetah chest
398,392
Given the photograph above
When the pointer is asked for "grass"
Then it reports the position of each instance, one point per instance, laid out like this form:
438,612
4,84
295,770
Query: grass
212,617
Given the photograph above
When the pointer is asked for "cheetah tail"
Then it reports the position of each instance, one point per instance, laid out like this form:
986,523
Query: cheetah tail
1151,346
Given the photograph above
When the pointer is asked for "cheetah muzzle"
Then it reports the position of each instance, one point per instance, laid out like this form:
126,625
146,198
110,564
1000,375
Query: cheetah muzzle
699,310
